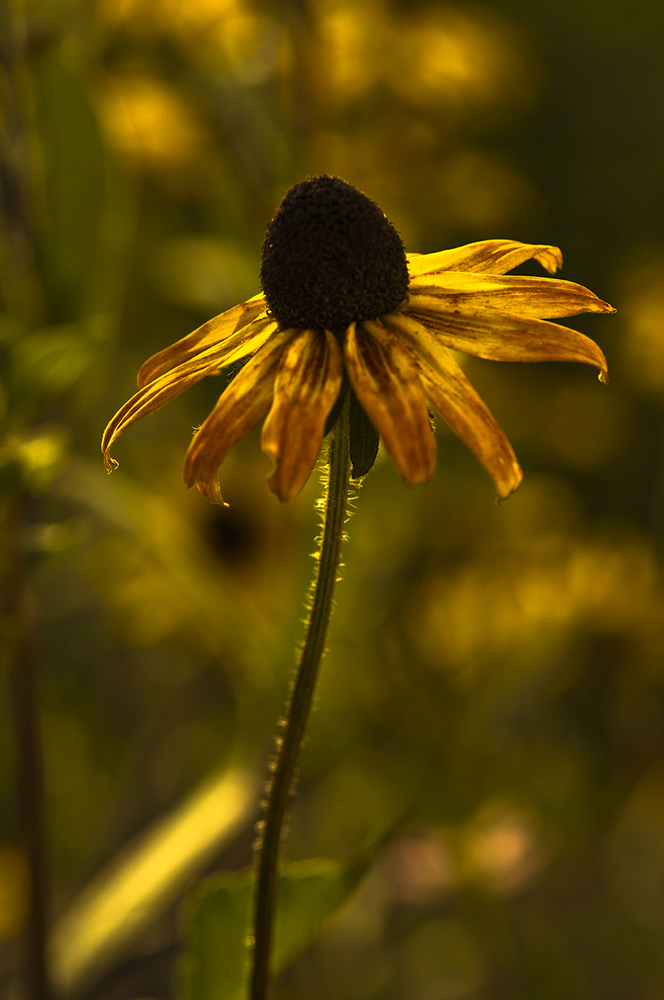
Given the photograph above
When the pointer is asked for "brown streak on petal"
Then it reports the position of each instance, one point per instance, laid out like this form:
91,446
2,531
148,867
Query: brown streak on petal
503,337
213,332
488,256
211,490
460,406
305,390
162,389
537,298
385,378
242,404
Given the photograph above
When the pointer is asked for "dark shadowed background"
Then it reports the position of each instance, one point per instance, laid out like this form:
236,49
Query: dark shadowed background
494,687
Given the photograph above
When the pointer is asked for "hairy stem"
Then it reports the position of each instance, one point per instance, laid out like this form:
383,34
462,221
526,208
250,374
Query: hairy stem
299,707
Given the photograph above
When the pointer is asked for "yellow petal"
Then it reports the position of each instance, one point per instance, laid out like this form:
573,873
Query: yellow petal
162,389
306,388
385,378
241,405
488,256
539,298
211,333
460,406
152,397
504,337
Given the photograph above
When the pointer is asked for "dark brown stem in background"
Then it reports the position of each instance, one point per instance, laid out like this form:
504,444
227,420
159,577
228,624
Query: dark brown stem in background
29,767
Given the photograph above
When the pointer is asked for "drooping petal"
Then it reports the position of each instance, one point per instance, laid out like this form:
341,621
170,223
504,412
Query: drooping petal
504,337
469,292
488,256
241,405
152,397
209,334
460,406
306,388
386,380
164,388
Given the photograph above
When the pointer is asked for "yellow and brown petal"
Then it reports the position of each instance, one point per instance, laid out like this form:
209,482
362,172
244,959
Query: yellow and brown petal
306,387
396,359
385,377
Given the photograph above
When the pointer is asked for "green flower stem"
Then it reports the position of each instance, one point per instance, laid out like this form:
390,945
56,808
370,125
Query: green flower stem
299,708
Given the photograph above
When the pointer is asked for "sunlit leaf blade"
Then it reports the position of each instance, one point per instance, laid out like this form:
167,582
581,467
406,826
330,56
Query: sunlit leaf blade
126,898
216,964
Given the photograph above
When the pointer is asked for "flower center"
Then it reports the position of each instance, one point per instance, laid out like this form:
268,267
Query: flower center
330,257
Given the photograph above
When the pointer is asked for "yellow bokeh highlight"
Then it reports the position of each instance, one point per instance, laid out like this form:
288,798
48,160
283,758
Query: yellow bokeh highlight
152,124
518,601
170,15
420,867
501,848
642,312
224,34
465,57
351,43
439,55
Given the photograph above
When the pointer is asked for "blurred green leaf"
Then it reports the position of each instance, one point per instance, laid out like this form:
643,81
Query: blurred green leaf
74,175
50,361
310,895
139,885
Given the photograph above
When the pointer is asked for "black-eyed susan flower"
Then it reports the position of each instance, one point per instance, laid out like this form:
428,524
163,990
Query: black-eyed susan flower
344,307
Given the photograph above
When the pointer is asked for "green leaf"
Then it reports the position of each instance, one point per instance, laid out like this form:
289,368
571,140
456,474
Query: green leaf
146,878
310,894
364,440
52,359
216,964
47,363
73,160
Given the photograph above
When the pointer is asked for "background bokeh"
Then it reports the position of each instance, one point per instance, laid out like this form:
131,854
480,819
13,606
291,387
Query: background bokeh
494,686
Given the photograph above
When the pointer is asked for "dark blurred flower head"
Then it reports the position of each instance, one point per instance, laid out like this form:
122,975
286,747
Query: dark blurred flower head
345,309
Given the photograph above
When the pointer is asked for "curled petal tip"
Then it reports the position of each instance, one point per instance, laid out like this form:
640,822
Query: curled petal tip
551,259
279,494
510,486
285,488
110,464
418,477
604,376
211,490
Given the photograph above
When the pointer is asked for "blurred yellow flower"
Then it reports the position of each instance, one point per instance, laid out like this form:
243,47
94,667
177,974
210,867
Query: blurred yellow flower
150,122
342,304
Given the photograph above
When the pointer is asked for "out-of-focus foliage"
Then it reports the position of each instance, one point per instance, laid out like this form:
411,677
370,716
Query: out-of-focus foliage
145,878
494,674
215,963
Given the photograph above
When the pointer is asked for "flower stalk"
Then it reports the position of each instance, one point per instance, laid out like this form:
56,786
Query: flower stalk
301,700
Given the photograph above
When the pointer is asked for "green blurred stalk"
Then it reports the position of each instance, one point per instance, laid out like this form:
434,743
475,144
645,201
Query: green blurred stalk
299,707
21,295
29,765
